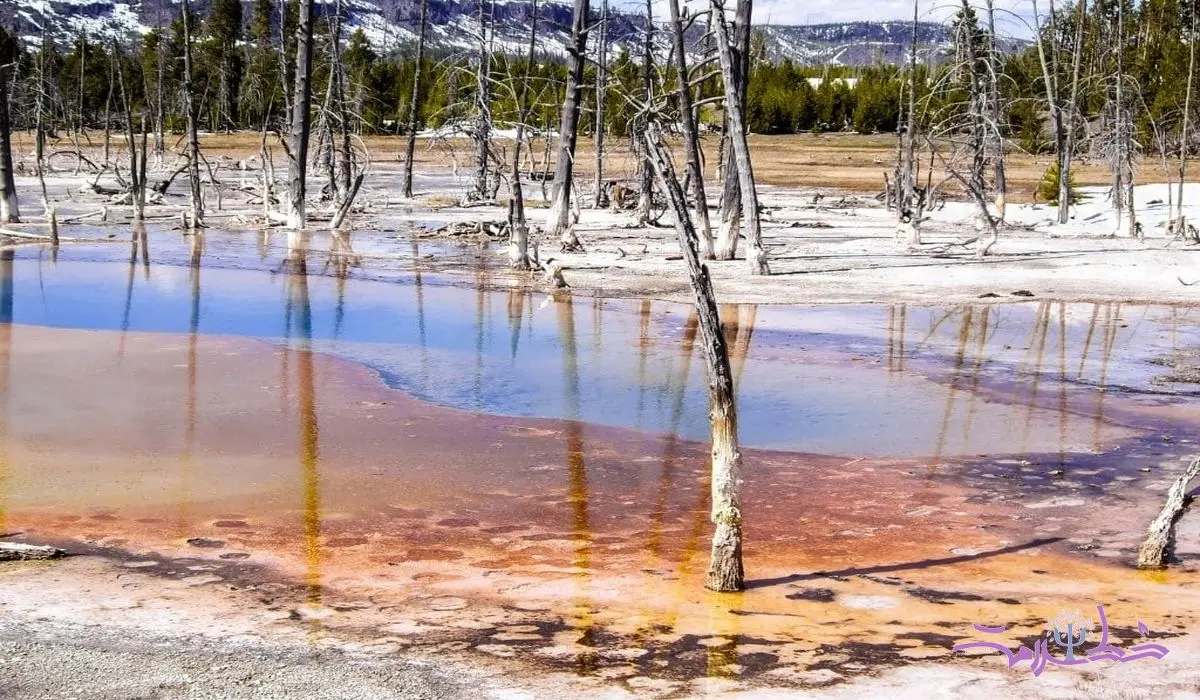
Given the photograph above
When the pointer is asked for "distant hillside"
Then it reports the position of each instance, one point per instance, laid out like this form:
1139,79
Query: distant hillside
391,25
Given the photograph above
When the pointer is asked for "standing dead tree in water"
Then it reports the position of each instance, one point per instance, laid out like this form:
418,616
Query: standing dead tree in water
725,570
558,219
193,139
735,78
10,212
414,103
301,117
518,246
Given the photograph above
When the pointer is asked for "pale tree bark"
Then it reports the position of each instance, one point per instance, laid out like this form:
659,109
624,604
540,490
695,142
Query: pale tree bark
193,140
726,572
756,255
137,170
10,211
691,136
1067,155
601,95
1181,223
646,176
1061,116
996,116
907,175
1160,536
41,97
483,103
518,245
731,196
301,116
558,220
414,103
1122,166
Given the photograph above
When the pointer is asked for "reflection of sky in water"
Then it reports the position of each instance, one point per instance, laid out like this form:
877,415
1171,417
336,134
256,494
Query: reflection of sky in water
849,380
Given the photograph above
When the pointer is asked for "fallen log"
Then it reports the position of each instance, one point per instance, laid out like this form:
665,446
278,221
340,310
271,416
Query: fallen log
15,551
1160,536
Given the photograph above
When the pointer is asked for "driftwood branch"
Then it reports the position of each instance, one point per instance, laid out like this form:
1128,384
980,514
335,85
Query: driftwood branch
15,551
1160,536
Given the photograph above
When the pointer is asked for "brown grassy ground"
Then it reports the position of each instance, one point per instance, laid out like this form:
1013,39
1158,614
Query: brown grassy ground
840,161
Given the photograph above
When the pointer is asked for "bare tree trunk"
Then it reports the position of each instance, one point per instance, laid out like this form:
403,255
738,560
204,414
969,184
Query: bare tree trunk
414,103
907,177
483,102
39,144
725,570
1067,153
756,255
646,177
160,117
558,220
996,116
10,211
301,117
518,249
1180,223
197,204
691,137
1125,119
731,198
601,93
137,183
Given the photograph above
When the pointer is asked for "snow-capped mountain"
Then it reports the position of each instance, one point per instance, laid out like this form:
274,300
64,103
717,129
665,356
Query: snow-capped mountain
391,25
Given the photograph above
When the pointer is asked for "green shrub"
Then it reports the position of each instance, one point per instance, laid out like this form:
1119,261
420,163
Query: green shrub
1047,190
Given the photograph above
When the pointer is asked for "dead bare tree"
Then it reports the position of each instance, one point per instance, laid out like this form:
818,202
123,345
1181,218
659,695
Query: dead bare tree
137,164
691,136
193,139
726,572
907,165
1121,146
645,203
735,83
10,211
301,117
601,199
734,93
41,107
1063,109
995,135
482,131
1180,222
518,247
414,104
558,219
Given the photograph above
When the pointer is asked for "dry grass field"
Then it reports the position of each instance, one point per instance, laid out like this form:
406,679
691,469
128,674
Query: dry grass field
838,161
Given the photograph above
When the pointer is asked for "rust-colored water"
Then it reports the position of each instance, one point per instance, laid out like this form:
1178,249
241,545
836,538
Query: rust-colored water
304,480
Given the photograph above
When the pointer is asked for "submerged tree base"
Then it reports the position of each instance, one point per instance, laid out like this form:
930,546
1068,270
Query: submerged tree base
725,572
